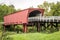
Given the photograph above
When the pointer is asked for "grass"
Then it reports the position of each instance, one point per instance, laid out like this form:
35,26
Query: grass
35,36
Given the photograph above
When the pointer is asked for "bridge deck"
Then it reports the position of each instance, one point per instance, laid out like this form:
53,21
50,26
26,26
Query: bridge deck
45,19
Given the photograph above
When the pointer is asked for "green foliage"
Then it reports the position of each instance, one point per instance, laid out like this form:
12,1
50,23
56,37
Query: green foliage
35,36
55,8
51,9
8,38
44,6
32,29
5,35
16,28
4,10
19,28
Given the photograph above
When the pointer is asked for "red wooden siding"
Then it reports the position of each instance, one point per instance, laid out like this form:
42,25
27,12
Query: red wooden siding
16,18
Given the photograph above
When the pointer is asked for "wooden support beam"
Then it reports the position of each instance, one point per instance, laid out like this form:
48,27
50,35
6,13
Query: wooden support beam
4,28
38,26
32,26
52,24
48,24
57,26
44,26
14,27
24,27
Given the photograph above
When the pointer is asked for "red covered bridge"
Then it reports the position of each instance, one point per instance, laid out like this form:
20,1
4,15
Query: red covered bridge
21,17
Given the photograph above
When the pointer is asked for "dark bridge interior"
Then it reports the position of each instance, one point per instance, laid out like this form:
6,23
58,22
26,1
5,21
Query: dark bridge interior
34,13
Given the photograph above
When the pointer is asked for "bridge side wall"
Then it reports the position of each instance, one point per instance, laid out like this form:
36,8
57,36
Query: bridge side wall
16,18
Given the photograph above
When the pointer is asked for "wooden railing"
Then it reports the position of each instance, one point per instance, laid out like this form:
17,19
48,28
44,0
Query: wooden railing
45,18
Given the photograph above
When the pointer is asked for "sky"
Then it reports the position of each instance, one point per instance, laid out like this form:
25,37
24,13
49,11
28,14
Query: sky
23,4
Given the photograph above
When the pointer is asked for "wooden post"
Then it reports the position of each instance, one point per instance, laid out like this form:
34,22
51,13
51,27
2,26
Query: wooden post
57,26
38,27
32,26
4,28
14,27
52,24
25,27
44,26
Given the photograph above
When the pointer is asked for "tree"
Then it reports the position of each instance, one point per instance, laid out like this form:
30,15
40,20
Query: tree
55,9
4,10
45,6
51,9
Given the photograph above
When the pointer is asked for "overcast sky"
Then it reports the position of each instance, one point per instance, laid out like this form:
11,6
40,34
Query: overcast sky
23,4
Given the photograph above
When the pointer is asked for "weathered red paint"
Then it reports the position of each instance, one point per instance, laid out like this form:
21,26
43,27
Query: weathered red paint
20,17
16,18
25,28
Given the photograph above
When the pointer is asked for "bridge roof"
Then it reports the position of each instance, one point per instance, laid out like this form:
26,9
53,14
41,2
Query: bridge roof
30,9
